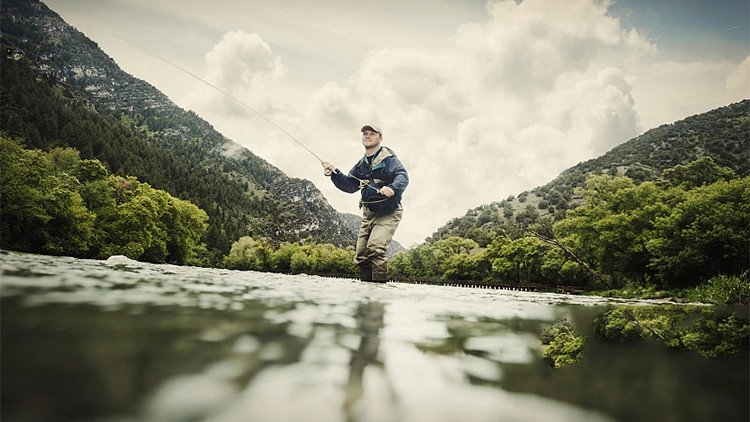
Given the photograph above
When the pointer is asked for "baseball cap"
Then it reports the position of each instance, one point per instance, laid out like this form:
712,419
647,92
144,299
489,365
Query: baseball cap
372,128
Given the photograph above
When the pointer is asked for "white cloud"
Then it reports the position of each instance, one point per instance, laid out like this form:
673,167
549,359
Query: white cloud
738,82
502,108
252,101
242,60
243,66
505,108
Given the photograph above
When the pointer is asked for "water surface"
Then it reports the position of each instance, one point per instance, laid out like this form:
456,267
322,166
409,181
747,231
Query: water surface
120,340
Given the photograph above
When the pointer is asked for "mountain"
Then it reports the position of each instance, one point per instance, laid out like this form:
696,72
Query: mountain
60,89
722,134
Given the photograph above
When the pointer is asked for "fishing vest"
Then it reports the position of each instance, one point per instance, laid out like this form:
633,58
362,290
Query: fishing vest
378,173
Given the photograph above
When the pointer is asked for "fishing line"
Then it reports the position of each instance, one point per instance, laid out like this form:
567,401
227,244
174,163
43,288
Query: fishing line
227,94
263,116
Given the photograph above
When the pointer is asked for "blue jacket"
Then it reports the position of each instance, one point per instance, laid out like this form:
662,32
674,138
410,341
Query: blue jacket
371,174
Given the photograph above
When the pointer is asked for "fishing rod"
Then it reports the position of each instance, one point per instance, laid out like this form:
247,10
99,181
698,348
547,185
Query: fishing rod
225,93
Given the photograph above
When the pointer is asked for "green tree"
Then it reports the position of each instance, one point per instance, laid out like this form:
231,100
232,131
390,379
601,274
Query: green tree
70,228
40,208
599,231
425,262
300,259
627,228
132,229
705,235
57,203
521,261
185,224
250,254
326,258
703,171
528,216
281,260
466,266
141,222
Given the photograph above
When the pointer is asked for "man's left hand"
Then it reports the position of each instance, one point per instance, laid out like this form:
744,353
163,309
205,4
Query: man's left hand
328,168
386,191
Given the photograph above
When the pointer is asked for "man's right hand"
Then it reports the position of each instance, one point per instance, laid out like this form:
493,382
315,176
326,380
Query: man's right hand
328,168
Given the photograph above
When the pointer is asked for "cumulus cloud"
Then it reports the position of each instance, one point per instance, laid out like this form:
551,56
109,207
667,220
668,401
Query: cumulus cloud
241,59
244,66
504,107
252,102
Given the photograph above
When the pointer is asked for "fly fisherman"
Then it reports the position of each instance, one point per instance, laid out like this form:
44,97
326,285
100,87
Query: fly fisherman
381,179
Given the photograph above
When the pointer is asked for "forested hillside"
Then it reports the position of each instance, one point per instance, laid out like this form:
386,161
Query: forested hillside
685,228
722,134
57,203
63,91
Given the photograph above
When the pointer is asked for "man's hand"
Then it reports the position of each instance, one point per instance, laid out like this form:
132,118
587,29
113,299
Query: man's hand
328,168
386,191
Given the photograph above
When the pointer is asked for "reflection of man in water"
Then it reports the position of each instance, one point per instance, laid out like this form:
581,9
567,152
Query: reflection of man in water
369,322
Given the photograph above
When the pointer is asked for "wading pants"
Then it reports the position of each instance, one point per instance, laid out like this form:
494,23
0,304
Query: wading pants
375,234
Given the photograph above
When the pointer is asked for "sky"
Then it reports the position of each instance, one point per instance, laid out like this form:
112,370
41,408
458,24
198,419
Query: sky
480,100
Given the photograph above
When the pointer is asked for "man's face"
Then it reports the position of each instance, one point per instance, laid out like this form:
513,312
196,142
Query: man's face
370,139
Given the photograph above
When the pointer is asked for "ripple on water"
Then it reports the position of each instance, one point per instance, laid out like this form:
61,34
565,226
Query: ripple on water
225,345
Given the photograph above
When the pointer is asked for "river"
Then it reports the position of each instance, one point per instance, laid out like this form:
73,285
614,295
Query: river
120,340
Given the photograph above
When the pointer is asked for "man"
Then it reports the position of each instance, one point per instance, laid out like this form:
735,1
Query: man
381,179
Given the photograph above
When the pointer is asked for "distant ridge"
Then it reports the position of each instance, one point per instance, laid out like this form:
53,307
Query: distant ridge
722,134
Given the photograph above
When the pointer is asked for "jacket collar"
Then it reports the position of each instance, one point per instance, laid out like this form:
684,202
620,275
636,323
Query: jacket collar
378,157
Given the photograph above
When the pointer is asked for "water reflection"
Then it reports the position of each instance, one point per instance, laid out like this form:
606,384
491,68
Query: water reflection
125,341
369,322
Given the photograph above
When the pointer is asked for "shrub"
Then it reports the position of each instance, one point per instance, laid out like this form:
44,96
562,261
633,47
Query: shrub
701,329
722,290
716,337
565,344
